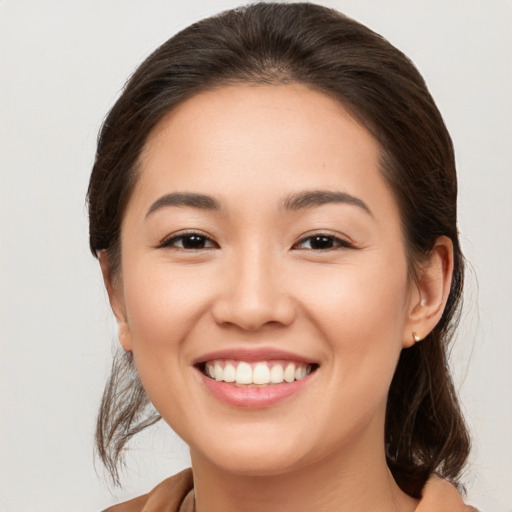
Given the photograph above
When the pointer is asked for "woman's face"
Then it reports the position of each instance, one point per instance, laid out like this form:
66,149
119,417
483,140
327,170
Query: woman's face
261,238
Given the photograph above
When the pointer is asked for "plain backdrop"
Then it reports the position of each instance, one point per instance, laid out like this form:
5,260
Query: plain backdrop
62,65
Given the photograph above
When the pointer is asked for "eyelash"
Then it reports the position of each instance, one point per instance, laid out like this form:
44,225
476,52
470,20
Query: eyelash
335,241
168,242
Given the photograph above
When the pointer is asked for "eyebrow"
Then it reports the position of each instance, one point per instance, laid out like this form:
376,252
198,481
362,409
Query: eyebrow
313,198
294,202
200,201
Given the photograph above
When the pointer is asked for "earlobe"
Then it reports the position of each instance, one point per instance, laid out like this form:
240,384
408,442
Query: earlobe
115,297
124,335
431,292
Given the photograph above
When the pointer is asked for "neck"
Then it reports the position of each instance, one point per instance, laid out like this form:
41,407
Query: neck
356,481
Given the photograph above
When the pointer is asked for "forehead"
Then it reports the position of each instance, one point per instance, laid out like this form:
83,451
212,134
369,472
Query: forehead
245,140
243,114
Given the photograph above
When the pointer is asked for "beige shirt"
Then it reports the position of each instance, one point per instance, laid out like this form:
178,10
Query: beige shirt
176,495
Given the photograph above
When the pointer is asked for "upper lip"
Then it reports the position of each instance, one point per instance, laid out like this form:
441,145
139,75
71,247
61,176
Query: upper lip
253,354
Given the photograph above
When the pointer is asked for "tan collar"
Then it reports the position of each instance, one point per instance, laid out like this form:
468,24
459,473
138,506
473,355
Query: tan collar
176,495
438,496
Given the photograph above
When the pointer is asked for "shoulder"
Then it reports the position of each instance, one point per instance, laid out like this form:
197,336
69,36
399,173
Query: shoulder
169,493
439,495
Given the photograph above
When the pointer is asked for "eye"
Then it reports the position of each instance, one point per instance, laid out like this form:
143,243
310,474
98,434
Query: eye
189,241
321,242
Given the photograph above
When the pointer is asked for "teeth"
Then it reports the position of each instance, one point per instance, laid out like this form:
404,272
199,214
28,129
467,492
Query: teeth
276,374
289,373
229,373
259,373
300,372
244,373
218,372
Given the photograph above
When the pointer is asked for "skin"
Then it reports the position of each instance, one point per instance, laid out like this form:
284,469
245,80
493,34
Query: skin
258,283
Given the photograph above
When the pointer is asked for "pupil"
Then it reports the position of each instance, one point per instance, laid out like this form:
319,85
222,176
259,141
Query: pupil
193,242
322,242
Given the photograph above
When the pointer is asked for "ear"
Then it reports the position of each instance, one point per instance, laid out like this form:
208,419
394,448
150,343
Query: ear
116,299
430,292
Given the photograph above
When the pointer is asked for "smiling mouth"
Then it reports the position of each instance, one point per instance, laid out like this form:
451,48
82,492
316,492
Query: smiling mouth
256,373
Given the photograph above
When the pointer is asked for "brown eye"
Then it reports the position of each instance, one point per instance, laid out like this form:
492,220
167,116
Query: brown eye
321,242
189,241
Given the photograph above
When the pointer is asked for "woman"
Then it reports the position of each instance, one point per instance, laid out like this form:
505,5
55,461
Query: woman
273,205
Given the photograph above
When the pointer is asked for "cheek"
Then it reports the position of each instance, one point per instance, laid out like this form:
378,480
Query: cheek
361,312
370,299
163,304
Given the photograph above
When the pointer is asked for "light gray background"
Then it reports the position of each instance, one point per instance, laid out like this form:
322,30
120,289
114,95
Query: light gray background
62,65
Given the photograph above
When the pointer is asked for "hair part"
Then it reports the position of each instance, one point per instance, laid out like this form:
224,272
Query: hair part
271,43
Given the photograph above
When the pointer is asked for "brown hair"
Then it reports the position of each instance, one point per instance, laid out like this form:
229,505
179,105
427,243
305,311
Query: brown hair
319,47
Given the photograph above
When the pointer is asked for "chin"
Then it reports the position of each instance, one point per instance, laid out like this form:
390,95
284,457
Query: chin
253,456
259,465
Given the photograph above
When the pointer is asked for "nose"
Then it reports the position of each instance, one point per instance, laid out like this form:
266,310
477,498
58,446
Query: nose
253,294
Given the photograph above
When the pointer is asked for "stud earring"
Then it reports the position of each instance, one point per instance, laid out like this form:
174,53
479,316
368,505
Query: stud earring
415,337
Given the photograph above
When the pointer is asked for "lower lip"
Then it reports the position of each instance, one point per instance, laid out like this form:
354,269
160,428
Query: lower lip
253,397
